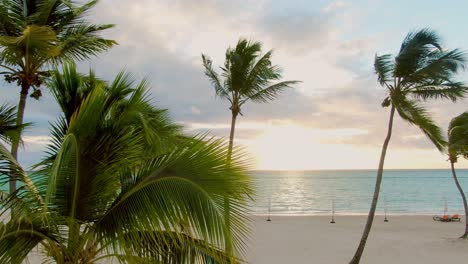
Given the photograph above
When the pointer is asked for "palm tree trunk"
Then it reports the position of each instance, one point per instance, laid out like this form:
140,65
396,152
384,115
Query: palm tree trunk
227,207
19,122
370,218
465,235
231,137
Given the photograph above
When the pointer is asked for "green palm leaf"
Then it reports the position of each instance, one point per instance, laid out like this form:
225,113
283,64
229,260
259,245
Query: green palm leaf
8,128
458,136
416,115
37,34
168,247
247,75
18,239
383,66
195,174
214,78
270,93
102,193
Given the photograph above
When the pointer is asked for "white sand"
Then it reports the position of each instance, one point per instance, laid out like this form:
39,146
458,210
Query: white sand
312,239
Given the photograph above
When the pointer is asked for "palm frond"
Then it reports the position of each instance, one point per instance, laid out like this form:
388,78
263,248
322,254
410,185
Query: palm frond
9,166
100,182
458,136
68,89
449,90
414,50
36,33
18,239
420,38
83,41
8,127
183,189
35,42
214,78
170,247
238,64
63,181
383,66
417,115
260,75
270,93
438,67
246,75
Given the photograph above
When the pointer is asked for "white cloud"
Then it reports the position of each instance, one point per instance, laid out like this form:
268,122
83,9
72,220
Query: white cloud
195,110
323,46
36,140
334,6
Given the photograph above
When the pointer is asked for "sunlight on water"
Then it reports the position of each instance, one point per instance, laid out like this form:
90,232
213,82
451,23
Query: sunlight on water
312,192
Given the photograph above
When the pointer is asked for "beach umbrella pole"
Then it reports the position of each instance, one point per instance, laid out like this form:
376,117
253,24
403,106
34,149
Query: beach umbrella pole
333,212
385,210
269,209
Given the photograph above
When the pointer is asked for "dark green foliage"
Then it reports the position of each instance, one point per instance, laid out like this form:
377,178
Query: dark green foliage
421,71
246,75
121,181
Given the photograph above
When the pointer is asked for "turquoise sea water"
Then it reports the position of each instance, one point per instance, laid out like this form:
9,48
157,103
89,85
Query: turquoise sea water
312,192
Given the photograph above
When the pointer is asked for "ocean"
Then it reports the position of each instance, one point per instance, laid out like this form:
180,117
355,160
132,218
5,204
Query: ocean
403,192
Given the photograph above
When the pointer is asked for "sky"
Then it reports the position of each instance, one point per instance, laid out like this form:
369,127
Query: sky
331,120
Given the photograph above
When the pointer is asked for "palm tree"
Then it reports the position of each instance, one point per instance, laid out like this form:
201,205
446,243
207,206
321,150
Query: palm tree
458,146
35,33
247,75
102,193
422,70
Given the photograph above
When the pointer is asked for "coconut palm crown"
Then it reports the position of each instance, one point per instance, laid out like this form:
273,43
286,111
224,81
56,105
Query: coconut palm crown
247,75
421,71
37,33
103,194
458,137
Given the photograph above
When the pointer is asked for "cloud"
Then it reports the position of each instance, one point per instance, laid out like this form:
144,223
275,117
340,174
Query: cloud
298,33
325,46
334,6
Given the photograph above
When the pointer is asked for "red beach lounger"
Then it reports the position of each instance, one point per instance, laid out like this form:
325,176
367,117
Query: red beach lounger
456,218
444,218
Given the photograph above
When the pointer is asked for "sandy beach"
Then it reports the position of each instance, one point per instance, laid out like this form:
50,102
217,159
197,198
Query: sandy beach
312,239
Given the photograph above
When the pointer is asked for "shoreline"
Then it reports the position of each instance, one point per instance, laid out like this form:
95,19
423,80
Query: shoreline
460,213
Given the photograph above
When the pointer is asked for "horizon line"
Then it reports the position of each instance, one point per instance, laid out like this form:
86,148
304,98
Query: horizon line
464,168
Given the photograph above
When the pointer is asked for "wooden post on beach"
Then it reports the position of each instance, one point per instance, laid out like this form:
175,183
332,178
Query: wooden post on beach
385,209
333,212
269,209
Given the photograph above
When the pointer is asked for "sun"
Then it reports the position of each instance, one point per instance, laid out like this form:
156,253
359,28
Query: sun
293,147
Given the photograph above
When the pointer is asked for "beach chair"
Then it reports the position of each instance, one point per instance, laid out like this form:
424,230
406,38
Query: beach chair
444,218
456,218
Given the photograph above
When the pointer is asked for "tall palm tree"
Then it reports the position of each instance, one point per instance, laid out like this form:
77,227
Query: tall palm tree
247,75
102,193
422,70
35,33
458,146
